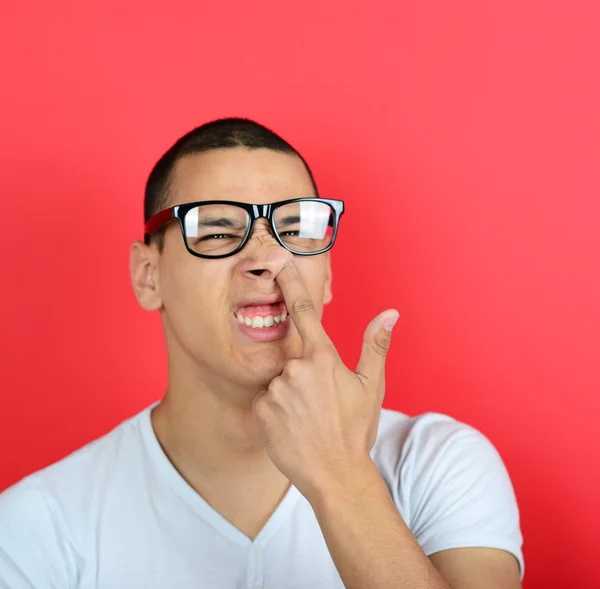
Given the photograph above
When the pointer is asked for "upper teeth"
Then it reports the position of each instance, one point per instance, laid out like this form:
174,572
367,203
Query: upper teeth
267,321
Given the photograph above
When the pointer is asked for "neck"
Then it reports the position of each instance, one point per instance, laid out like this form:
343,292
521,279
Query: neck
209,430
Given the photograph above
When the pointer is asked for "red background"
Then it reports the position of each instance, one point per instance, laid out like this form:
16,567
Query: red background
464,137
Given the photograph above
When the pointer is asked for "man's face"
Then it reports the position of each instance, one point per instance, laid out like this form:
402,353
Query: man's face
204,301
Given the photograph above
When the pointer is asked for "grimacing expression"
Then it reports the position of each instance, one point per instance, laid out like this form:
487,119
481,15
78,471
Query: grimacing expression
199,299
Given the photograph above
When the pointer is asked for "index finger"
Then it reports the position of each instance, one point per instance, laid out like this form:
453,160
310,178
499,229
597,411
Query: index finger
300,305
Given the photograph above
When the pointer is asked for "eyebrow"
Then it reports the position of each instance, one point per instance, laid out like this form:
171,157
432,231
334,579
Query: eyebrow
289,220
222,222
294,220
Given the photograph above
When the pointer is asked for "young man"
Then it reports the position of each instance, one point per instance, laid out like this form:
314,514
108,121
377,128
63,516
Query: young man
269,463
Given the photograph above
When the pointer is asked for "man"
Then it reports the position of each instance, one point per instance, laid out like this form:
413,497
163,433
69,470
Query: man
268,463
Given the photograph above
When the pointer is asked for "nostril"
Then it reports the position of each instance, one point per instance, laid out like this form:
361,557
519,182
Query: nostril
257,272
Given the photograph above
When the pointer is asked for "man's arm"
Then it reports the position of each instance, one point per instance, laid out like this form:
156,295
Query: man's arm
373,548
319,421
473,568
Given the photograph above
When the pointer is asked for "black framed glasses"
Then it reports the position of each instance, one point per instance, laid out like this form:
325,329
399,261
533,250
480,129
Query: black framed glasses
221,228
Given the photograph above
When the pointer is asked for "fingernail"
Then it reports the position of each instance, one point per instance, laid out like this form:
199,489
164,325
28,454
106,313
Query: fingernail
389,323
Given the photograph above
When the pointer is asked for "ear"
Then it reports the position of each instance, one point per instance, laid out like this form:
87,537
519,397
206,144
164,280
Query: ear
143,267
328,294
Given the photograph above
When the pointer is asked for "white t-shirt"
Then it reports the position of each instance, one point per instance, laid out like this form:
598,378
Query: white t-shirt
117,515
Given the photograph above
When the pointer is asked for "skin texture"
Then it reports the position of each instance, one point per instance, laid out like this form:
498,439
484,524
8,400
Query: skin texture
262,415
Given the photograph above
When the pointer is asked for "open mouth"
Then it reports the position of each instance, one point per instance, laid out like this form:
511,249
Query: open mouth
261,316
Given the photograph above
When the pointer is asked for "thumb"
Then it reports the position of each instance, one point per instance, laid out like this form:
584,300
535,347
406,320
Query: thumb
376,344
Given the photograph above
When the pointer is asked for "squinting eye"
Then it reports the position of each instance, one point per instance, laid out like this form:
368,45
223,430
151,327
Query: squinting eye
216,236
289,233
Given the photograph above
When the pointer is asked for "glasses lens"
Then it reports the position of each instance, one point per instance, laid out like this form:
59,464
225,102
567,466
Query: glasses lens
305,226
215,230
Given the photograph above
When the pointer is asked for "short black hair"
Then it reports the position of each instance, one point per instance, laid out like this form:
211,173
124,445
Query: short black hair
218,134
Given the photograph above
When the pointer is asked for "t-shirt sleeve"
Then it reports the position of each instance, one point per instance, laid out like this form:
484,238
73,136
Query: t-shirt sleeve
458,489
33,551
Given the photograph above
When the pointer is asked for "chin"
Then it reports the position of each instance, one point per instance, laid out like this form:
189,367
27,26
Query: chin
261,368
265,370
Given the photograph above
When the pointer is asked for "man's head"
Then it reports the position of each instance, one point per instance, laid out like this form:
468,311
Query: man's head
203,302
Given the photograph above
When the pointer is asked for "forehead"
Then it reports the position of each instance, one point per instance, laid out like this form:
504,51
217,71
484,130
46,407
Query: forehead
240,174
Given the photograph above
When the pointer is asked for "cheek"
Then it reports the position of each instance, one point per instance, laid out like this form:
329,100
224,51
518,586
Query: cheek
195,290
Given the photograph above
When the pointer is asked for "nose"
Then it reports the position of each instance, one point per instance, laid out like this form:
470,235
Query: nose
264,257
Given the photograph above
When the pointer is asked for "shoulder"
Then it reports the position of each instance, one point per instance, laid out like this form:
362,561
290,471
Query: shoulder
449,482
415,452
44,517
29,537
85,466
411,441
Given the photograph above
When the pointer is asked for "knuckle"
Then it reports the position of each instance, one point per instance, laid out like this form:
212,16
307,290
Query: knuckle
260,406
381,345
303,306
293,368
273,398
274,385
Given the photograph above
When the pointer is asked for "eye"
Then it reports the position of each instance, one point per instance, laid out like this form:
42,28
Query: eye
289,233
215,236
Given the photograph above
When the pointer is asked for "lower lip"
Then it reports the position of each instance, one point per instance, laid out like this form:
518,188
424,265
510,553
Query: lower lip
264,334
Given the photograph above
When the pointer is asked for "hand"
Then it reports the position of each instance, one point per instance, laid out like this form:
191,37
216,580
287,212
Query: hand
319,419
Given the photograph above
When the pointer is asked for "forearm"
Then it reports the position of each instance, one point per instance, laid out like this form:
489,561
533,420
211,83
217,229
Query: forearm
367,538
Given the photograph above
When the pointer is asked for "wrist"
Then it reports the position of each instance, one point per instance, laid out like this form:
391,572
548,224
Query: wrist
347,486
